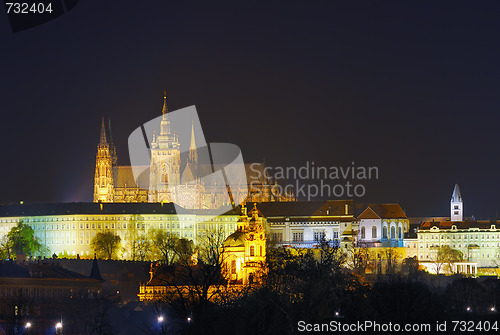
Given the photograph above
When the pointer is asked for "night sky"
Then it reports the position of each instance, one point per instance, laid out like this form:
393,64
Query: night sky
409,87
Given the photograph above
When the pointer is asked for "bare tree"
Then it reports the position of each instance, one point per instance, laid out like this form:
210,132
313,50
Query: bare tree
106,245
194,280
166,245
445,256
133,232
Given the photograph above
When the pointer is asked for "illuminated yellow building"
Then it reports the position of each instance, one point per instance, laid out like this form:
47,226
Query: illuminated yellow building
68,228
245,249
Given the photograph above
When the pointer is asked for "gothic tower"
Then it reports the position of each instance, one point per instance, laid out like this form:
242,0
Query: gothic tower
193,152
103,182
457,205
112,147
165,162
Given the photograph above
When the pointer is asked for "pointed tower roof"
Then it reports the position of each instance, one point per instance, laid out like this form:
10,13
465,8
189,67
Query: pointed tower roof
102,140
456,196
110,134
95,273
192,146
111,144
193,152
164,109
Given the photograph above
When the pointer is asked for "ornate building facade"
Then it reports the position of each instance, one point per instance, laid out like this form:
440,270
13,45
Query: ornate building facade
245,249
188,184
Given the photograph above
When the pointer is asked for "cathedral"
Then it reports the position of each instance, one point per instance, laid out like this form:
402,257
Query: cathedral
185,182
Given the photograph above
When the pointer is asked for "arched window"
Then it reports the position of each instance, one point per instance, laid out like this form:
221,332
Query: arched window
393,232
233,266
252,251
400,233
384,232
374,232
362,232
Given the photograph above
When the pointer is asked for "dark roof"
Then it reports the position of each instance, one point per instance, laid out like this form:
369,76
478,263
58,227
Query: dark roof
459,224
179,275
95,273
95,208
10,269
383,211
412,231
304,208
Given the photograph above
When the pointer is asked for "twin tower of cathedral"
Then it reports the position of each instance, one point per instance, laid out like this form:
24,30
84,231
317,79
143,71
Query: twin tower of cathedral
193,188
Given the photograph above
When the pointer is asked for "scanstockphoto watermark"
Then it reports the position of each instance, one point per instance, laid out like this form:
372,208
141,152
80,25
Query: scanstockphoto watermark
310,181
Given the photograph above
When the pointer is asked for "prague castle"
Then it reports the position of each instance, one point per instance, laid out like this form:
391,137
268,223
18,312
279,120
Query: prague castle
193,189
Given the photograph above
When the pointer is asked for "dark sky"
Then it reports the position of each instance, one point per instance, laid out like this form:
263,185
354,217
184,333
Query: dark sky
409,87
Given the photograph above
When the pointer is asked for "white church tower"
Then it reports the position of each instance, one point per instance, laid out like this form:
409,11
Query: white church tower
457,205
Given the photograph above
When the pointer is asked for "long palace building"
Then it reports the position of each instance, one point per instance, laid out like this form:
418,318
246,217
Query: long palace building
68,228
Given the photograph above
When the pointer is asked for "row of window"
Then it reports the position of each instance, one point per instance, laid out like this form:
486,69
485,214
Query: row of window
460,245
298,236
458,236
36,292
384,232
472,255
118,226
118,218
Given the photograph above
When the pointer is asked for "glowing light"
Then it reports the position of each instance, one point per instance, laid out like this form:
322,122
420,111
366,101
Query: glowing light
492,309
58,325
160,319
468,309
336,313
28,324
189,319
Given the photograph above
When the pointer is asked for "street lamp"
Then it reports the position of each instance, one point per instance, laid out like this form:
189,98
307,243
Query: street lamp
160,319
59,328
28,325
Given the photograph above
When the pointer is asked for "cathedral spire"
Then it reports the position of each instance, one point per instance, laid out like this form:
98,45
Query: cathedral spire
102,140
165,123
111,144
193,142
165,109
193,152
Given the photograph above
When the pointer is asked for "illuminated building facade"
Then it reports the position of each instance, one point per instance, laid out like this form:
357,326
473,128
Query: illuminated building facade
194,187
68,228
383,225
478,241
303,224
245,250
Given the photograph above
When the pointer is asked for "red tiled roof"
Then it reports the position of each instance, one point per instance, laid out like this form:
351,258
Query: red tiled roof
459,224
383,211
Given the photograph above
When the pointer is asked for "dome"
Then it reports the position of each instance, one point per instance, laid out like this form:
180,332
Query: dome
236,239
